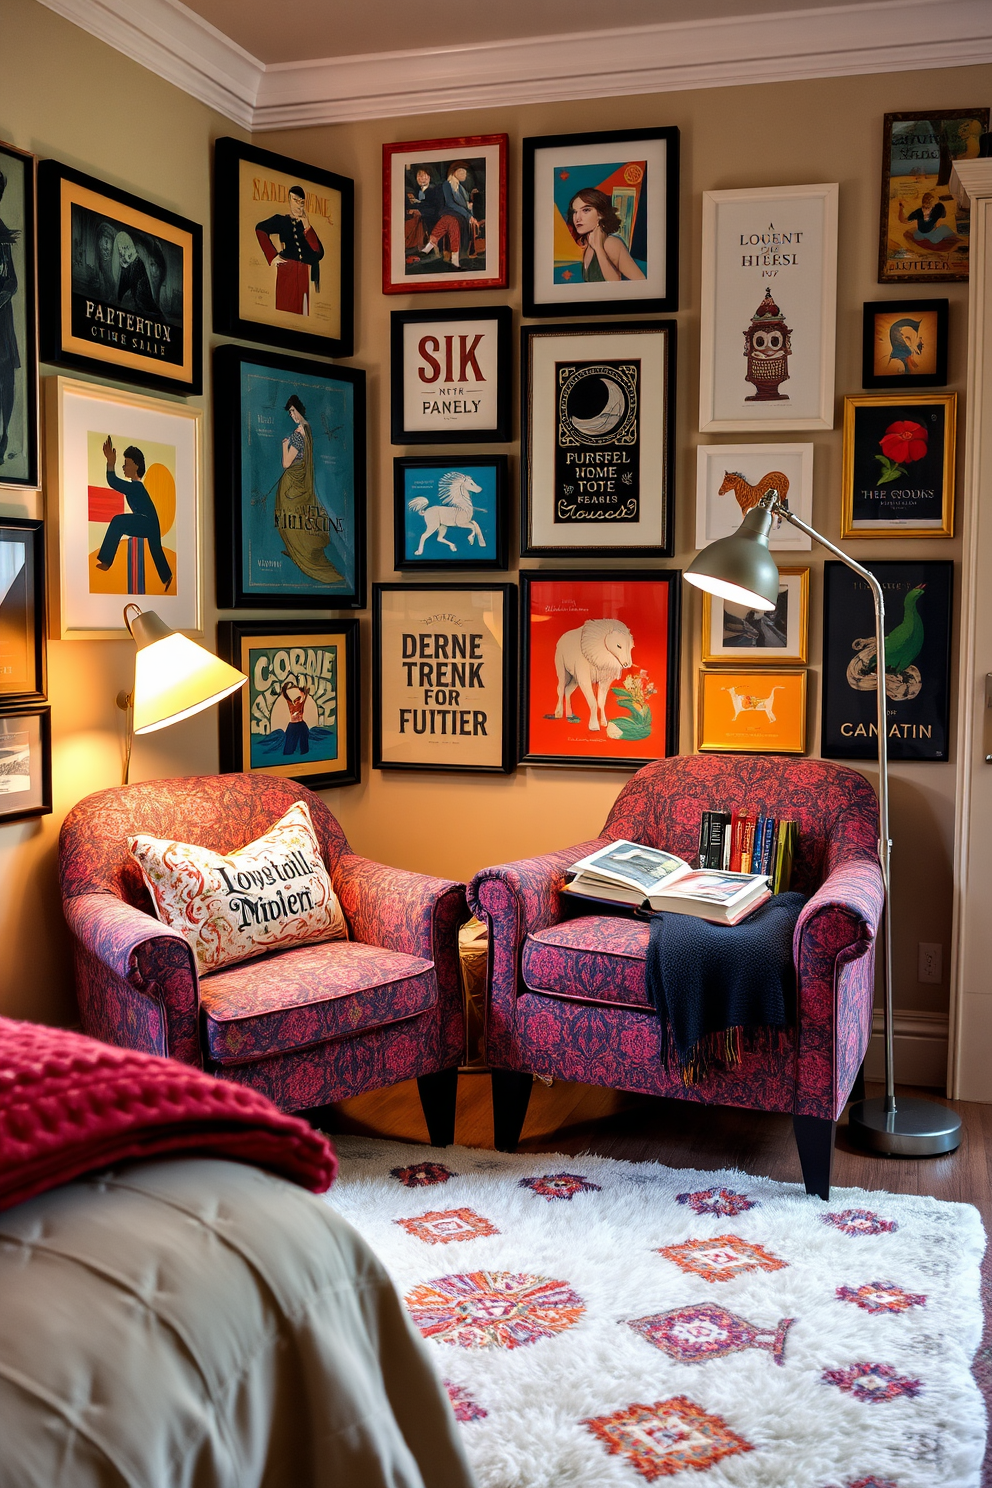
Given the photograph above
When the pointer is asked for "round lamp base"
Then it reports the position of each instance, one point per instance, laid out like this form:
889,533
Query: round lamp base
917,1128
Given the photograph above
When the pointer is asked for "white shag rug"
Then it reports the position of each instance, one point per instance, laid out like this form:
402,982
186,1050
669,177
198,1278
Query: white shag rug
604,1323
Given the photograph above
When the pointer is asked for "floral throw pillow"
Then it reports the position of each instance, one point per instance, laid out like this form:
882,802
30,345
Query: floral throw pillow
267,896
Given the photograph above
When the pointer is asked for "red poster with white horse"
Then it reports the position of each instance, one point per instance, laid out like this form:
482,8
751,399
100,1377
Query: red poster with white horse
601,667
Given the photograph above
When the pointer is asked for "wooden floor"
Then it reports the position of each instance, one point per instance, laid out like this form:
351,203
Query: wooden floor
585,1118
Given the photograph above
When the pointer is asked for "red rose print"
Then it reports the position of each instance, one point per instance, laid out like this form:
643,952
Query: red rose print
904,442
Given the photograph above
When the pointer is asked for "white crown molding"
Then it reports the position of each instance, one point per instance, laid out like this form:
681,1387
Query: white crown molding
832,41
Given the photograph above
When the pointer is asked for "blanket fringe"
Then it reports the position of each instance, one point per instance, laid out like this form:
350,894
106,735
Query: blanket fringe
723,1050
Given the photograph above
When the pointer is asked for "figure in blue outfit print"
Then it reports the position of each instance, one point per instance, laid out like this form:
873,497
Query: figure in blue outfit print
141,520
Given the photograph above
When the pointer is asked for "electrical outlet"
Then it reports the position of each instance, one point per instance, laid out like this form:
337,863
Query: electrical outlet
931,961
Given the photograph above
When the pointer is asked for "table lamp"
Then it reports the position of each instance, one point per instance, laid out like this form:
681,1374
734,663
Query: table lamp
173,678
740,569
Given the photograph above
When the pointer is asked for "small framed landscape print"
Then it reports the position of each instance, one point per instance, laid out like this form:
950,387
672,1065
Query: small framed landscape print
122,477
299,714
450,376
924,231
731,478
734,633
769,302
443,672
25,762
904,344
449,513
22,612
121,283
284,251
601,223
759,712
19,452
444,214
597,444
289,450
600,667
898,470
918,609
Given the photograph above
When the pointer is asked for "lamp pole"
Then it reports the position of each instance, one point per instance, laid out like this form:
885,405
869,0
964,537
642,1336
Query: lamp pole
913,1128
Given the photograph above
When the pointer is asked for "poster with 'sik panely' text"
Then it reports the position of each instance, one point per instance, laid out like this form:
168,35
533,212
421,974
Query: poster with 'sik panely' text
450,376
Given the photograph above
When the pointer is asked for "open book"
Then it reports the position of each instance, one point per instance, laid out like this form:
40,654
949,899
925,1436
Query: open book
632,873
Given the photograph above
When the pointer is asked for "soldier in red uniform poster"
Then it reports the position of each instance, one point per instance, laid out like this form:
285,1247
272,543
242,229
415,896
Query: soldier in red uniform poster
296,256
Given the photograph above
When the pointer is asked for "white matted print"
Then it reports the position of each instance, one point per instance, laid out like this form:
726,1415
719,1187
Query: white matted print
450,376
731,478
769,303
737,633
123,482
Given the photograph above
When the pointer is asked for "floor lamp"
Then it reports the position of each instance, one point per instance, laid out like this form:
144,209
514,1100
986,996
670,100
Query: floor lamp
173,678
740,569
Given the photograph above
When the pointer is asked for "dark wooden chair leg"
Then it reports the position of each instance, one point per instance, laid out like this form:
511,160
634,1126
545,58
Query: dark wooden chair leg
858,1088
511,1094
438,1096
815,1140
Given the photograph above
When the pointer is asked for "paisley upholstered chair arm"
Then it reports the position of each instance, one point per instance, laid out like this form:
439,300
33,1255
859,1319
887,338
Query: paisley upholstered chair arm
397,909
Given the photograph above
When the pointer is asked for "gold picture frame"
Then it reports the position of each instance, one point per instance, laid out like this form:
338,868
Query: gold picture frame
736,711
733,634
887,438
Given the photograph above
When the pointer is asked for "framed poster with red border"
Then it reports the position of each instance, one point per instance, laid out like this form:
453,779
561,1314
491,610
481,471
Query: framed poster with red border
444,214
599,667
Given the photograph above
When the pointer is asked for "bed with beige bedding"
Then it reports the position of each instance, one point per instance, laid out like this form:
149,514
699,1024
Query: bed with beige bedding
200,1323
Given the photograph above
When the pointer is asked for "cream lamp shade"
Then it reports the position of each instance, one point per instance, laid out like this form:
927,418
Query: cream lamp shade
173,676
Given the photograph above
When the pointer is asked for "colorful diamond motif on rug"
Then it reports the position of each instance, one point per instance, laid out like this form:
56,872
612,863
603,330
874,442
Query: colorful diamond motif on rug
705,1331
860,1222
465,1408
881,1296
871,1382
442,1226
422,1175
662,1439
716,1201
493,1309
722,1258
559,1185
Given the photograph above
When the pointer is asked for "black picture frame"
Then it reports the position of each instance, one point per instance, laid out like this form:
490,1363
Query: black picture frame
33,746
574,595
551,161
413,471
249,281
549,445
96,315
20,468
919,720
470,659
458,423
881,319
310,638
23,621
253,385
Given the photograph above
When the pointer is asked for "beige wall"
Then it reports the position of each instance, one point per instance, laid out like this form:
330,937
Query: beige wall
66,95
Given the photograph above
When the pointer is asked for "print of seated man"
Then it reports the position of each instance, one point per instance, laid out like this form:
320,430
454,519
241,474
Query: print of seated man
297,261
142,518
930,232
297,739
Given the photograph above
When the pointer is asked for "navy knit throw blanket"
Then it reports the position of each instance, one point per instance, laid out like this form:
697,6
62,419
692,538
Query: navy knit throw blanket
720,989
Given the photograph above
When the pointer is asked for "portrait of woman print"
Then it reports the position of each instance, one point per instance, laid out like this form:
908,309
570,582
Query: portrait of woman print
595,226
301,520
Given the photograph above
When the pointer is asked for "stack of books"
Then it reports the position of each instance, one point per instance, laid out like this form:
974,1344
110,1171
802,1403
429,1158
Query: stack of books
744,842
631,873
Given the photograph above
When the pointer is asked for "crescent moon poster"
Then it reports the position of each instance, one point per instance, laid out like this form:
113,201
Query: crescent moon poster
597,470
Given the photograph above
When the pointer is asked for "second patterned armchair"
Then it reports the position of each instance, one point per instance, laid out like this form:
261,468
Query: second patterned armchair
567,996
304,1026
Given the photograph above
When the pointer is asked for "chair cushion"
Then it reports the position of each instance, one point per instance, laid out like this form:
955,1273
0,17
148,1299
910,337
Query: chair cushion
271,894
305,996
598,958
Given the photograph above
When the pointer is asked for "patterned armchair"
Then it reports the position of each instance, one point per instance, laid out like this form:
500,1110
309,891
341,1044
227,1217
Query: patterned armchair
305,1026
567,996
